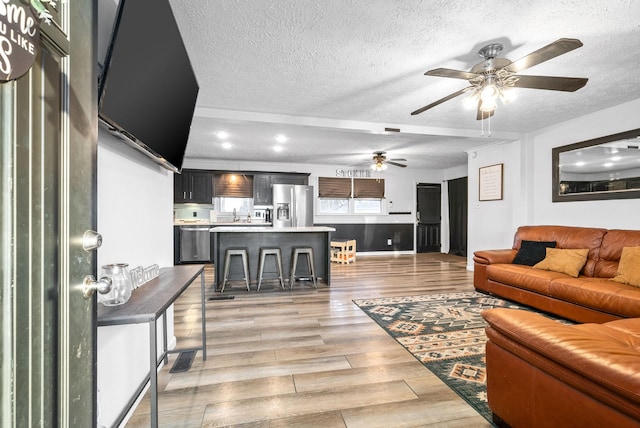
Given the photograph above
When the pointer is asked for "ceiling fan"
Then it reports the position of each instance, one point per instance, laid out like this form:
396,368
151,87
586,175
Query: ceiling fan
380,162
496,77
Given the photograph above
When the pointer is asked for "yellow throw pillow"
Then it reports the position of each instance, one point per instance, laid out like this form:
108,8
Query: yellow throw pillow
564,260
629,266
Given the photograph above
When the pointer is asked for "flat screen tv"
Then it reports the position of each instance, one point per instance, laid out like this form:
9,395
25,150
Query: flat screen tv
148,90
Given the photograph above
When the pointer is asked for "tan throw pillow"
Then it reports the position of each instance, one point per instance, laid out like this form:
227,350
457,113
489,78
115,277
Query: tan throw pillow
564,260
629,266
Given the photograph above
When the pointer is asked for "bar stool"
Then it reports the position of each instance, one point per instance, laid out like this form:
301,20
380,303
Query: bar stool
230,252
275,252
295,254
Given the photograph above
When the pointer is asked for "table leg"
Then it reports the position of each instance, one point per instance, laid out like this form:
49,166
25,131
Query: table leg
153,373
165,345
204,318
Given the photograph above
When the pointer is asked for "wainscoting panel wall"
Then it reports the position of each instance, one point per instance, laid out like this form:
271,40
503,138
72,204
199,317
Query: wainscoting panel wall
375,237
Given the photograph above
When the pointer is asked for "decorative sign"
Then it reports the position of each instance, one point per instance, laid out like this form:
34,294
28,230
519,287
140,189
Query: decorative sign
491,183
19,39
350,172
140,275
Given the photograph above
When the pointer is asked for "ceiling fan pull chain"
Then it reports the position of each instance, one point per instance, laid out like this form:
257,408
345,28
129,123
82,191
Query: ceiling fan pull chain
489,127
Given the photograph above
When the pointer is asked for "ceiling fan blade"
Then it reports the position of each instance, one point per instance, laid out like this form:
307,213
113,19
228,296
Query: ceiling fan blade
552,50
454,74
398,159
396,164
440,101
552,83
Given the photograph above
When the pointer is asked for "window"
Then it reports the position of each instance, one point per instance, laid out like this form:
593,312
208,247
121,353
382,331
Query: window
333,206
350,196
367,206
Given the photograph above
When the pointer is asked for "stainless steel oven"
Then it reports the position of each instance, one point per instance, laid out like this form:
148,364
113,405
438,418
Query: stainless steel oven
195,244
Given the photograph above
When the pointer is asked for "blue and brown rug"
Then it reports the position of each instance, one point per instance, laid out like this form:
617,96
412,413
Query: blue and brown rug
445,332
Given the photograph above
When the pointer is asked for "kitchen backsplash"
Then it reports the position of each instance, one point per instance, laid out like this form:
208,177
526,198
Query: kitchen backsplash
192,212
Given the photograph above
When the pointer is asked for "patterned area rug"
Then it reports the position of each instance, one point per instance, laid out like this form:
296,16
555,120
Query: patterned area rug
445,332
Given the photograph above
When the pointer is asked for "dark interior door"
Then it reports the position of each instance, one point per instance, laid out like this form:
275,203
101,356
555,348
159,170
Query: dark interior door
428,218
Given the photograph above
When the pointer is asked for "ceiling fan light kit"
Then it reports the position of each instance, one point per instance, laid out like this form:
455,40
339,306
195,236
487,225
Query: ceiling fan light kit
380,162
495,78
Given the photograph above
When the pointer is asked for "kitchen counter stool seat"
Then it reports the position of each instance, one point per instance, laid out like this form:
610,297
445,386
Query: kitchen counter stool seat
270,251
230,252
296,252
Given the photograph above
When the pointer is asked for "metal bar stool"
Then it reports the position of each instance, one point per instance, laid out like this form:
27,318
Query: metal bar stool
268,251
230,252
295,253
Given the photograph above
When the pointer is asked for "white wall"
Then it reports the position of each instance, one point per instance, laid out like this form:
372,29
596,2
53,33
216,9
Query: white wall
527,183
135,218
620,213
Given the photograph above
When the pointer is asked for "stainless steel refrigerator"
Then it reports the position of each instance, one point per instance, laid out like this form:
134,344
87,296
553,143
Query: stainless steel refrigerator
292,205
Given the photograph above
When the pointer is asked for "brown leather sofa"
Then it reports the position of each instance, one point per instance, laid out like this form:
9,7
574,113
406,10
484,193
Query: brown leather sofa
541,373
591,297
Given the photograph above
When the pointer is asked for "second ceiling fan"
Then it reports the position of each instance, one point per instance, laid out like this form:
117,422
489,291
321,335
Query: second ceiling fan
495,77
380,162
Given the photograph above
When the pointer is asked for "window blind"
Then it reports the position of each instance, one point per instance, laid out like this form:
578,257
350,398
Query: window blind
330,187
233,185
372,188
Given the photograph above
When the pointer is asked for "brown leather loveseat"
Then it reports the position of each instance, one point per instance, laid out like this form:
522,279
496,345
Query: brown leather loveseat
541,373
590,297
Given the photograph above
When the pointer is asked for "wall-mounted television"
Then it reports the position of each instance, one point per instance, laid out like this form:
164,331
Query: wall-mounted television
148,90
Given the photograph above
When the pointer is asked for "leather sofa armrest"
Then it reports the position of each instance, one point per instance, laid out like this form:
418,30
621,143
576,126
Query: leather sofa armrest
489,257
605,353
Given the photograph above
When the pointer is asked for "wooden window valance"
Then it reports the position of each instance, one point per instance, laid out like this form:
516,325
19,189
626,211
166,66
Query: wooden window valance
368,188
233,185
329,187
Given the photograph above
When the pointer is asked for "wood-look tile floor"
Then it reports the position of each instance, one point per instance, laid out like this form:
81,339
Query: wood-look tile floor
310,358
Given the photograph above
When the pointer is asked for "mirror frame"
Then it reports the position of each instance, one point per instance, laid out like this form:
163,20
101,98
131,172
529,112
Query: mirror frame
595,196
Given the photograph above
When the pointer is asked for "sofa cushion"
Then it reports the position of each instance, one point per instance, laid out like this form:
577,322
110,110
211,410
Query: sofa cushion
629,267
522,276
532,252
568,261
601,294
612,244
566,237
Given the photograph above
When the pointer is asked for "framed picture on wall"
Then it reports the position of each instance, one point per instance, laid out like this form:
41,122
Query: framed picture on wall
490,183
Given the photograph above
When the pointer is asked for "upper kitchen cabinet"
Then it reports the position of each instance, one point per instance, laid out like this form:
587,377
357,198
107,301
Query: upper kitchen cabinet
262,193
192,186
262,189
290,178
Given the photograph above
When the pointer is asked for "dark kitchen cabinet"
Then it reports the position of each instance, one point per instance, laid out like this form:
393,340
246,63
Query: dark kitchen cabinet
262,193
302,179
192,186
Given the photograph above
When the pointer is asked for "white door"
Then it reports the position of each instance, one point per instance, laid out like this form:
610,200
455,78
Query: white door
47,182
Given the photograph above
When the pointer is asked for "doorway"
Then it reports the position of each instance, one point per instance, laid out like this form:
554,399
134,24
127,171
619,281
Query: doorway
428,217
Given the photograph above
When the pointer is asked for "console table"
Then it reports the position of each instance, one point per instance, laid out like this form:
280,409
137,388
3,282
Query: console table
146,305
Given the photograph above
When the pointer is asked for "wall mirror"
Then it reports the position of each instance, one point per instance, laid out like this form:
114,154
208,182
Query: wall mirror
602,168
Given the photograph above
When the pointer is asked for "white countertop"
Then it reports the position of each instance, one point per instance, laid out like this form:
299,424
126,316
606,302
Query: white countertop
271,229
216,224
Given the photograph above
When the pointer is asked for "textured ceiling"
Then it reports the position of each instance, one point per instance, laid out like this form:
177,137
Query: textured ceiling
332,74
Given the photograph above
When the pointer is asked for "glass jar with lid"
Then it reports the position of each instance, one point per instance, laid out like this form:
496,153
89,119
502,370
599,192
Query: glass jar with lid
120,284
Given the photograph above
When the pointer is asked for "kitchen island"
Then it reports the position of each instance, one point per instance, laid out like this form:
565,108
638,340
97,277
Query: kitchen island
252,237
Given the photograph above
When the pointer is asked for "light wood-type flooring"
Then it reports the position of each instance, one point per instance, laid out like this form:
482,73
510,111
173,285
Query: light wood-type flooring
310,358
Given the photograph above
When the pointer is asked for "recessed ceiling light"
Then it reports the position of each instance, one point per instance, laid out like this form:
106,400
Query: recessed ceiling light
277,148
222,135
281,138
227,145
